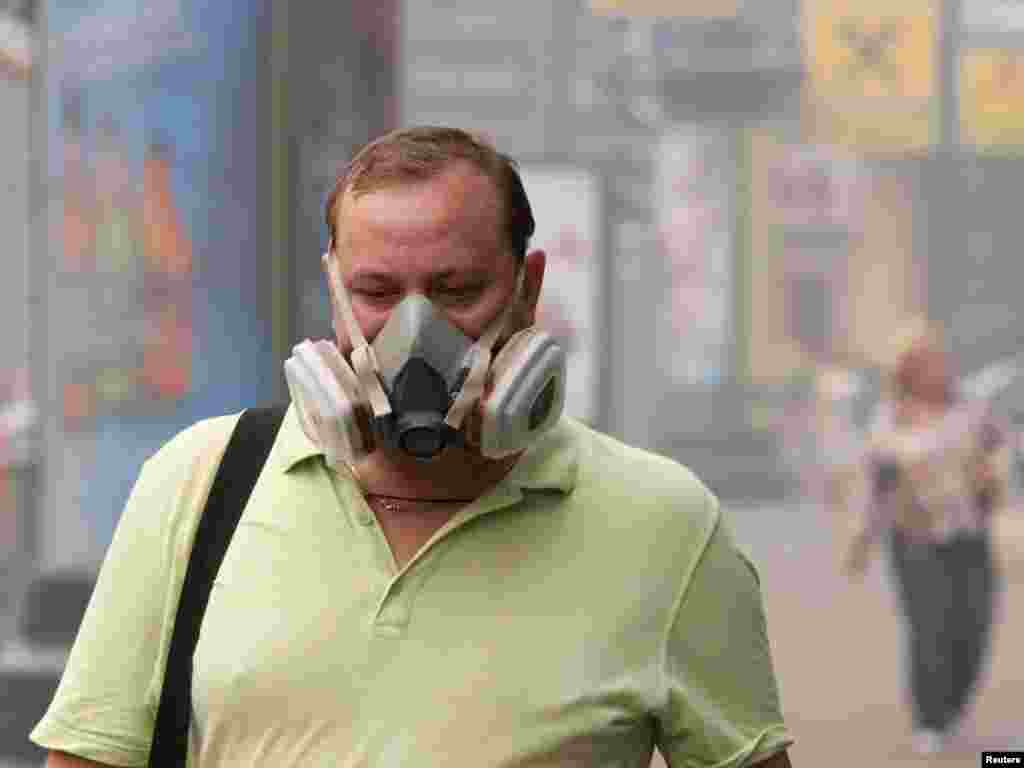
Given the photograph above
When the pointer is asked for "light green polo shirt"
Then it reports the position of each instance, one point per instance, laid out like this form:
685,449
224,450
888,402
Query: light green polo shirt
588,607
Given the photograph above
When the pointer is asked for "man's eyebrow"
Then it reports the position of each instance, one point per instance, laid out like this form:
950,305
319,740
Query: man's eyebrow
371,275
468,274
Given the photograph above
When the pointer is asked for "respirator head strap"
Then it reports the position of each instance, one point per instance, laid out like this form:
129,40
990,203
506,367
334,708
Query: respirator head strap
363,359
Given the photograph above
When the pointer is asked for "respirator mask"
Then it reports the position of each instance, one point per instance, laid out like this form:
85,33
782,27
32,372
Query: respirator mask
423,385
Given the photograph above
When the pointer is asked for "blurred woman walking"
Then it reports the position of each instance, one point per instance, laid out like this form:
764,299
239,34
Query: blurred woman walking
936,469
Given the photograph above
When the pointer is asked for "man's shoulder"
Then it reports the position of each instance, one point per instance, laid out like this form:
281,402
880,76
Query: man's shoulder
644,517
651,483
617,462
206,436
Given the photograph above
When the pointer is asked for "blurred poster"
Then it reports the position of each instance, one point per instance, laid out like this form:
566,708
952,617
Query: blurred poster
992,99
126,270
566,206
159,301
832,265
871,65
694,217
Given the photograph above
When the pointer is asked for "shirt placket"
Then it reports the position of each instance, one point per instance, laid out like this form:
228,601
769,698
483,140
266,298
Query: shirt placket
394,606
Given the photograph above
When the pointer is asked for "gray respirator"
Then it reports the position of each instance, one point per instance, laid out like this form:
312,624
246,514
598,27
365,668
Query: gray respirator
423,385
423,361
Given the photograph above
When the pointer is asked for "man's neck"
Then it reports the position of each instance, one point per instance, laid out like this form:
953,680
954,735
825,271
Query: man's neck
456,474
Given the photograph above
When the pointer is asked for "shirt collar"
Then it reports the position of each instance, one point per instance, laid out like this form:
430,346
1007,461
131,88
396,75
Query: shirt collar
551,463
292,446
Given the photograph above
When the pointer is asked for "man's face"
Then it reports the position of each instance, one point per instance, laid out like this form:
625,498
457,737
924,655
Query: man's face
443,238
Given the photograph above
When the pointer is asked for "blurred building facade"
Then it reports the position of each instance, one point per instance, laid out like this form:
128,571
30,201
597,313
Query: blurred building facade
732,195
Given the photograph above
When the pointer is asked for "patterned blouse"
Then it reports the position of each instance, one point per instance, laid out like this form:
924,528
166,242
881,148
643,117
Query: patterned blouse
920,478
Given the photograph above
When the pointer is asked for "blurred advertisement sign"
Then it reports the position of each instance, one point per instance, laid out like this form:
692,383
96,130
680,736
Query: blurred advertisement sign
700,9
127,268
694,214
871,81
992,99
836,237
566,204
159,293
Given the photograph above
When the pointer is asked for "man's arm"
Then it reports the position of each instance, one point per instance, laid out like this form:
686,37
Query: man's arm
66,760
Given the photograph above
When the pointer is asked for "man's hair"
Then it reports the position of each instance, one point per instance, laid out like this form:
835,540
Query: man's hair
422,152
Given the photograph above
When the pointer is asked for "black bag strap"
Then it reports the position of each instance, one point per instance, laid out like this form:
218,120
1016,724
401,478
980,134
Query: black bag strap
244,457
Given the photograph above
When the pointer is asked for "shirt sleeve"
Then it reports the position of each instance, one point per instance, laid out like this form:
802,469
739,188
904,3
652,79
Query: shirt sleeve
722,705
104,707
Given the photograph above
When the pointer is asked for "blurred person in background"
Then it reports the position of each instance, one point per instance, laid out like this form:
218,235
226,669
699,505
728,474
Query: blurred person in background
836,466
837,439
934,462
568,601
822,442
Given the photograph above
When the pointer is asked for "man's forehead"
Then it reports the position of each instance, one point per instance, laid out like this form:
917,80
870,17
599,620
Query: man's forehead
460,189
437,228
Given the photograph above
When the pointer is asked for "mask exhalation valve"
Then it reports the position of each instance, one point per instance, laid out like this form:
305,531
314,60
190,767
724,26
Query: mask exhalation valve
421,435
421,399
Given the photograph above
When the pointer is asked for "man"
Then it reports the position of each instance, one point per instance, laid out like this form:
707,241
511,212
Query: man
577,602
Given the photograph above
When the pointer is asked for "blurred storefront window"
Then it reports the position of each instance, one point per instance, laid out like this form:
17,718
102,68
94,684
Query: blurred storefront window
833,265
693,201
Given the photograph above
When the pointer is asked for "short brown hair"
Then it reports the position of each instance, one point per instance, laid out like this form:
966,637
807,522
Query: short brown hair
423,152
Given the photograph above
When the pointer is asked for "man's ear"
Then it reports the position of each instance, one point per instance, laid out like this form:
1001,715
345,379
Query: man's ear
533,279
